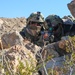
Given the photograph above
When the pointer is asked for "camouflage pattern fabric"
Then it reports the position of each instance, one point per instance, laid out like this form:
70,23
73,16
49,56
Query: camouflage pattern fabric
36,17
55,22
58,34
34,39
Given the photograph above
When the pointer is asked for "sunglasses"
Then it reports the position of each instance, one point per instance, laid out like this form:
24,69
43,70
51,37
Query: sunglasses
37,23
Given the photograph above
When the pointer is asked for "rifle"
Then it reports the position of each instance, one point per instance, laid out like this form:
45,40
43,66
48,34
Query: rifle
47,36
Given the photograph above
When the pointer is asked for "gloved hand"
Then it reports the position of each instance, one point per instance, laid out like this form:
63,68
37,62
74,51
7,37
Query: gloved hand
46,36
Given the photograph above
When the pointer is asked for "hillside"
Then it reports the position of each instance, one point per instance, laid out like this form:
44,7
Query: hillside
11,24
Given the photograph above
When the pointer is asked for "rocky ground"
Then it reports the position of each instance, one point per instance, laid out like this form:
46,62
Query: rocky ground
18,56
71,7
14,49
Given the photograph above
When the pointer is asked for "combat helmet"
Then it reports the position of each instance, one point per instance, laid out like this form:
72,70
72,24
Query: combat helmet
36,17
55,24
54,20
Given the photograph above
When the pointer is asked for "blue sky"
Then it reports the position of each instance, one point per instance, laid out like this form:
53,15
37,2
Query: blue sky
23,8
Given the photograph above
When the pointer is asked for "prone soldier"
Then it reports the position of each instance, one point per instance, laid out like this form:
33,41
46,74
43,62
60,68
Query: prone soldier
55,23
34,27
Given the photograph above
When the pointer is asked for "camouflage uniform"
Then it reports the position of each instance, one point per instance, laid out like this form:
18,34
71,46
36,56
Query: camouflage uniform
55,23
32,31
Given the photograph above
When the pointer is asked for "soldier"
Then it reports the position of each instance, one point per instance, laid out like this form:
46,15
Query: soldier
69,25
55,23
34,27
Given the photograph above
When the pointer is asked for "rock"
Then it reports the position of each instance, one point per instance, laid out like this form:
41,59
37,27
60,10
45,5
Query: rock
48,51
56,64
56,49
0,44
30,46
11,39
16,55
53,50
1,21
71,7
